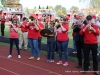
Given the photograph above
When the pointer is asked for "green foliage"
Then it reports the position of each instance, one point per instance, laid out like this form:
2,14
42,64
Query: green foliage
74,8
92,3
3,2
27,11
95,3
60,10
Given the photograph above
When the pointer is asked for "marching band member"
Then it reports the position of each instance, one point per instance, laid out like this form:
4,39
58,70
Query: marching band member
79,43
90,32
33,31
14,38
62,40
51,43
79,39
23,35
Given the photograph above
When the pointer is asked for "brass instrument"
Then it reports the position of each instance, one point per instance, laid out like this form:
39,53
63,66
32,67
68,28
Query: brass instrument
90,29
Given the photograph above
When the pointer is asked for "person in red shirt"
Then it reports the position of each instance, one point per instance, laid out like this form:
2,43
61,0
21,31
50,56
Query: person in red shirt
2,25
33,31
14,38
23,35
41,26
90,32
62,40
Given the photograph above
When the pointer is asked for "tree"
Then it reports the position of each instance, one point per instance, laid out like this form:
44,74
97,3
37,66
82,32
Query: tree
39,7
3,2
74,8
57,7
63,10
50,7
95,3
27,11
60,10
35,7
47,7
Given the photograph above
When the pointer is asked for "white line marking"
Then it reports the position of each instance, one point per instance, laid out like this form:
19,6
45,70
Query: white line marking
9,71
33,66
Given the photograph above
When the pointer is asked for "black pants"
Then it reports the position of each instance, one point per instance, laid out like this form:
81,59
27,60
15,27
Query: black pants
79,47
93,48
2,29
39,42
56,48
12,40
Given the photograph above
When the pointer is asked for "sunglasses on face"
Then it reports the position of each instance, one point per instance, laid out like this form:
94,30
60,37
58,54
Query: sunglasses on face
80,16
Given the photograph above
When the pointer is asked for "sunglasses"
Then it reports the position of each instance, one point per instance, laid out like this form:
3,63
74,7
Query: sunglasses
80,16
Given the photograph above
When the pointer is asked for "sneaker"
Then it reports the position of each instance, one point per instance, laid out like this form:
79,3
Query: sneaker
25,49
9,56
31,58
65,64
38,58
60,62
51,61
98,54
74,52
19,56
47,60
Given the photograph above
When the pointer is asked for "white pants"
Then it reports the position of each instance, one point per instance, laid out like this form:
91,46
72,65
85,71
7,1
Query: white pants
23,39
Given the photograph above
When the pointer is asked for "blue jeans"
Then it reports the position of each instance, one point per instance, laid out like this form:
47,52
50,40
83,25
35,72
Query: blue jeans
62,47
74,44
34,47
51,49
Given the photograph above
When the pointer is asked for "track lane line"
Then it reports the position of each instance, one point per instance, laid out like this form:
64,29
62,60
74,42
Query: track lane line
33,66
9,71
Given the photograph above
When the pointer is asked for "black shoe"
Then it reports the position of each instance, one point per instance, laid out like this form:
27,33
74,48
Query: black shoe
96,73
79,66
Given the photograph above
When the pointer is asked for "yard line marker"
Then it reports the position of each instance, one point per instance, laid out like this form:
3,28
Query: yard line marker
9,71
33,66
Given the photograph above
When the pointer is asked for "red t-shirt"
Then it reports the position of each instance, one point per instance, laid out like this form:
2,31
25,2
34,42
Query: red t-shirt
13,33
42,26
90,38
32,32
23,28
3,21
62,36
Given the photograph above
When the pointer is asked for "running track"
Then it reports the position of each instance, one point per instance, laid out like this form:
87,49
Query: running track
23,66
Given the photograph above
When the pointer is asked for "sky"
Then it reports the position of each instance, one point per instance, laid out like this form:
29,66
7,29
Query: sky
43,3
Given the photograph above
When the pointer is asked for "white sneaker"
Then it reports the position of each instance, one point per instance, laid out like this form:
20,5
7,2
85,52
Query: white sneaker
19,56
9,56
74,52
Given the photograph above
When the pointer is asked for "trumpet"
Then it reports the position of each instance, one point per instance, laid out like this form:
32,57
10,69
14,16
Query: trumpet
90,29
58,24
